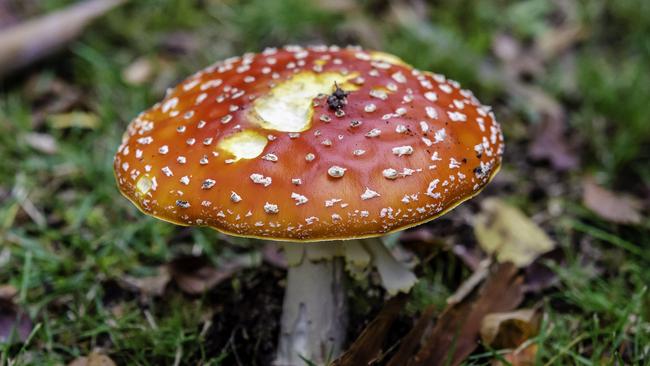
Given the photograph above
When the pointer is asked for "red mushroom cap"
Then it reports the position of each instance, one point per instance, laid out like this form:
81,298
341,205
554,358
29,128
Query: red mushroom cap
309,144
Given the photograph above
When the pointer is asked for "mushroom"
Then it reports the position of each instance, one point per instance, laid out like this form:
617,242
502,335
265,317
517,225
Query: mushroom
326,146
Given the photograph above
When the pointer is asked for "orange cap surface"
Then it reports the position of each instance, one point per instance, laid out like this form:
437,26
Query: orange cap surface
309,144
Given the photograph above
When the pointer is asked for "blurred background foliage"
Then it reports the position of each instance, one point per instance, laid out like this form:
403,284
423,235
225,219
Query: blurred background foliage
570,77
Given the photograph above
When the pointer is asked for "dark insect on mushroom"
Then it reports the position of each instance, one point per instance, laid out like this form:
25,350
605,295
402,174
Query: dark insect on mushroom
339,93
338,99
334,103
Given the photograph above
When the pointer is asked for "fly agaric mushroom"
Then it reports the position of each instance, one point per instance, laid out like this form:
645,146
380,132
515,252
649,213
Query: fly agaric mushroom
338,146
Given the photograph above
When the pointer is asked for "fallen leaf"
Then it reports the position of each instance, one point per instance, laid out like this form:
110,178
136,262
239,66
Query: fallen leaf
611,206
93,359
15,325
550,144
42,142
74,119
539,276
149,286
509,329
548,140
138,72
517,60
520,357
368,346
456,332
196,275
32,40
505,232
410,343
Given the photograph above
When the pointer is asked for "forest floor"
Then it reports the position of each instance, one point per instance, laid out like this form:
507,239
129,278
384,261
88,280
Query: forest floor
83,272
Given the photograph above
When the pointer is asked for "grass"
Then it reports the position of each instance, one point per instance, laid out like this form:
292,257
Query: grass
67,237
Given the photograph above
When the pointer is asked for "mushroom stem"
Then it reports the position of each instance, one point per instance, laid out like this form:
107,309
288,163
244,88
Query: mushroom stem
314,314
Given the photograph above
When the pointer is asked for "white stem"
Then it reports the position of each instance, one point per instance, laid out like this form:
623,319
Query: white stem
314,314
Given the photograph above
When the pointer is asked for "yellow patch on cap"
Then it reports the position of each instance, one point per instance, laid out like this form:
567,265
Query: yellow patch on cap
246,144
288,106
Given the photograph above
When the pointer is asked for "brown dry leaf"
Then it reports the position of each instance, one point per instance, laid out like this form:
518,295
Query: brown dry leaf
455,334
93,359
509,329
505,232
516,58
611,206
368,346
549,142
76,119
196,275
519,357
409,344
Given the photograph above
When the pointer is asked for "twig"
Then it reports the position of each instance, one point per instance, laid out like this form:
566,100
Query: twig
32,40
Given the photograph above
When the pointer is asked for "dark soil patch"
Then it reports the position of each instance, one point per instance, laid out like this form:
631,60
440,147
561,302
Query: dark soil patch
247,318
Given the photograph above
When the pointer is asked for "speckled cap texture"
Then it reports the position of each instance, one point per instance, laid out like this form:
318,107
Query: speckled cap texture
309,144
